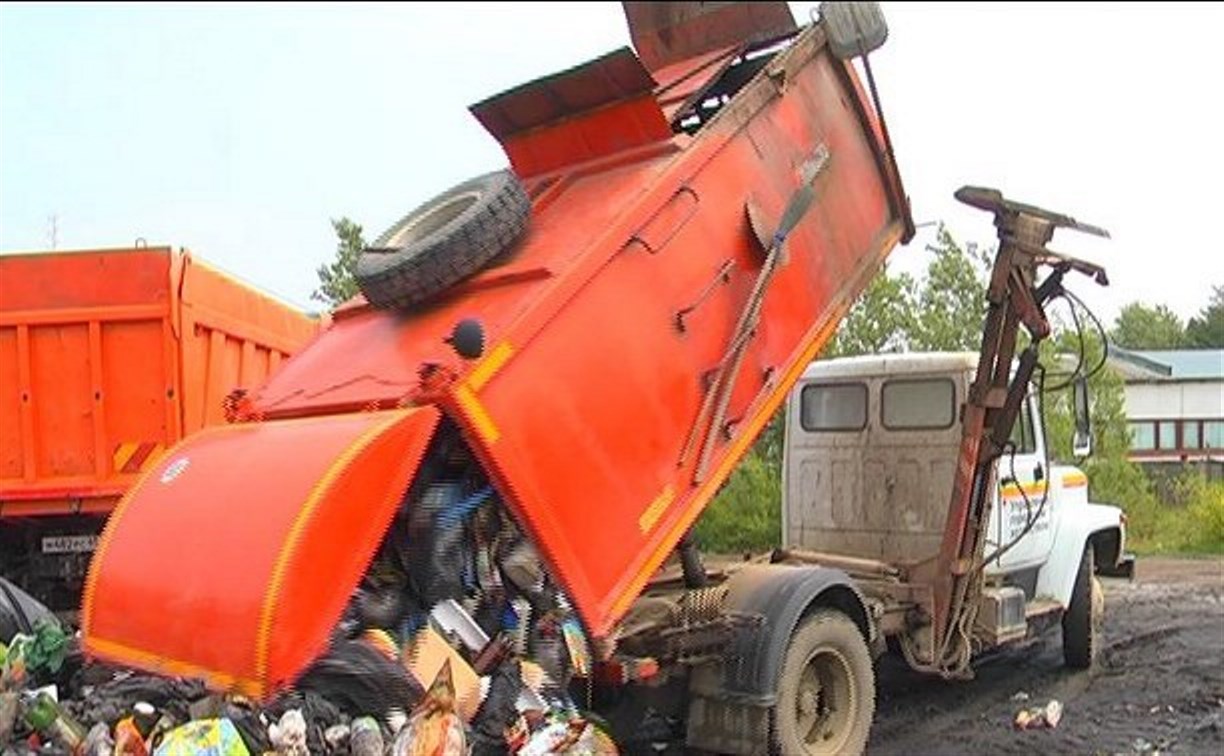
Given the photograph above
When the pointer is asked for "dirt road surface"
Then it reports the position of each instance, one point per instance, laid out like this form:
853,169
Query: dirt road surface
1158,684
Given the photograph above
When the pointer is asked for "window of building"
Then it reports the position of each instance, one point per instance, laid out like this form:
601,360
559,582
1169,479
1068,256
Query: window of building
1213,434
1190,434
833,407
918,404
1166,434
1143,436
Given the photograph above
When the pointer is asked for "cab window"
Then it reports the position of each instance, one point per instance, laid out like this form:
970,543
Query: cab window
1022,432
833,407
925,404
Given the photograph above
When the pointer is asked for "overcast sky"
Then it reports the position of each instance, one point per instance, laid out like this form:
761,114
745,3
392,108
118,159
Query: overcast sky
239,130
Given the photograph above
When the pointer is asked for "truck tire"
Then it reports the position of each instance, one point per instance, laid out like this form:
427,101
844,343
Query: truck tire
443,241
826,689
1082,621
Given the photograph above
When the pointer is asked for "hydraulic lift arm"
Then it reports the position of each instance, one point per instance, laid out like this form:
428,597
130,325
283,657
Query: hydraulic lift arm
1015,298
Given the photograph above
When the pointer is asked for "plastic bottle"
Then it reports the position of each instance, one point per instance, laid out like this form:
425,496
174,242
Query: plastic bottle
44,715
365,737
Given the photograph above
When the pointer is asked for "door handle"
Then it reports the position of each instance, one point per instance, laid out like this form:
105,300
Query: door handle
1038,473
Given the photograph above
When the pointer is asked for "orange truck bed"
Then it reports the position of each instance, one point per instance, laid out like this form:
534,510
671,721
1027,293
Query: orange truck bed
648,232
107,359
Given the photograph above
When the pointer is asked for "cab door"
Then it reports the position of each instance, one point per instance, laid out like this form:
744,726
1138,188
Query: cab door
1024,499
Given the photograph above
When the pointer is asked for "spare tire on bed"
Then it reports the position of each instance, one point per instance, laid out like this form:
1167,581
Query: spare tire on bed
444,241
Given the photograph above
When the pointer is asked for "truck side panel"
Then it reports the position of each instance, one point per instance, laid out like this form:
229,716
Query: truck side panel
109,357
86,393
231,336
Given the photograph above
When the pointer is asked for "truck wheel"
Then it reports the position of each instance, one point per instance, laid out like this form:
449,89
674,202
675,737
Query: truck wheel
826,692
444,241
1082,621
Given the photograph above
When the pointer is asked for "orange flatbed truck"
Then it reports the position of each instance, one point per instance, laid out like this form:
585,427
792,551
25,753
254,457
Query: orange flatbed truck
108,358
567,359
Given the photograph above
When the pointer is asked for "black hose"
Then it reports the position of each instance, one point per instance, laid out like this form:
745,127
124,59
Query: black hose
691,564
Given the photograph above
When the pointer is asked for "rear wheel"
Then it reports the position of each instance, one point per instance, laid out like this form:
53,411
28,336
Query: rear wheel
826,691
1082,621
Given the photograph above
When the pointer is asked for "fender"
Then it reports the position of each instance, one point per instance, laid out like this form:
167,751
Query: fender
730,701
780,595
1076,526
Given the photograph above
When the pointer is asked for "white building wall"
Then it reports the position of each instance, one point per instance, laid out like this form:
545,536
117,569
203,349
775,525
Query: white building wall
1170,400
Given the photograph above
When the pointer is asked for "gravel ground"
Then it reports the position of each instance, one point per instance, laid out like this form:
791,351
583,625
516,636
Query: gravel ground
1158,684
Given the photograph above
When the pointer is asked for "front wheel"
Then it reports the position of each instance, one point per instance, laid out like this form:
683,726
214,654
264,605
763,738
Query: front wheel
1081,624
826,691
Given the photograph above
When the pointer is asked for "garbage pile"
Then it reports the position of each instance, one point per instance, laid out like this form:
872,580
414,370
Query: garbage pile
455,642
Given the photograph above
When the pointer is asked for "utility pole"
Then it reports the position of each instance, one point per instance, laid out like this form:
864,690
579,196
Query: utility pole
53,231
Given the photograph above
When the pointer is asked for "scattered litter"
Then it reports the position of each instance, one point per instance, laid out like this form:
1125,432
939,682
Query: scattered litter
99,741
203,737
434,729
130,738
288,736
365,738
499,709
361,679
1047,716
337,736
43,713
8,716
1020,696
430,655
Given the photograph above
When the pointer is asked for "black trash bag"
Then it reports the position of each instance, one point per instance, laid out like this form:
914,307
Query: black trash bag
319,712
439,555
384,607
114,699
546,646
498,711
254,731
361,681
19,611
490,612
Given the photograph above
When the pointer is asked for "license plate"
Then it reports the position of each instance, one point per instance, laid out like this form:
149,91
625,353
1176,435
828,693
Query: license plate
75,544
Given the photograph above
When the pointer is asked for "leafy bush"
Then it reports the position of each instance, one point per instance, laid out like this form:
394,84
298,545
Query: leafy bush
1184,513
746,514
1204,512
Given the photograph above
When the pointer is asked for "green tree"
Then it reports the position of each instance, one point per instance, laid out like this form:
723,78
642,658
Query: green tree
1141,327
1206,330
951,306
1110,433
1113,478
747,515
880,321
336,282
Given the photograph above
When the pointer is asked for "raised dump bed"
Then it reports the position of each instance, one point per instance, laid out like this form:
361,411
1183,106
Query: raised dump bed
621,354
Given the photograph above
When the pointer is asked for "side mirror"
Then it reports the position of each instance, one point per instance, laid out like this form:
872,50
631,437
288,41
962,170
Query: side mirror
1081,445
853,29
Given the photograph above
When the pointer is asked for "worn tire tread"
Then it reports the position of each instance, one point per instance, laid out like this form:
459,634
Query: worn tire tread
432,264
827,626
1079,623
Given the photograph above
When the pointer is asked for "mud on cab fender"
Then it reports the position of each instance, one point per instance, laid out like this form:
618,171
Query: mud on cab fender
729,702
1076,527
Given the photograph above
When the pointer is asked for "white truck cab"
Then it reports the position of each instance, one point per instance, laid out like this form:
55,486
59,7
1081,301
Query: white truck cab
871,447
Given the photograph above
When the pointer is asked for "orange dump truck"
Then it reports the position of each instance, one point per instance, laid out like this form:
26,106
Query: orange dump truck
552,372
107,359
